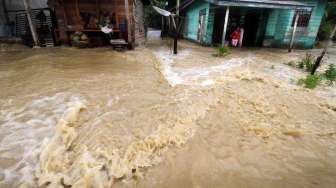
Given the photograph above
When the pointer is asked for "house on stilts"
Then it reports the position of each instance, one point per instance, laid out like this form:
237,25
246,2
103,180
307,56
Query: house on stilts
270,23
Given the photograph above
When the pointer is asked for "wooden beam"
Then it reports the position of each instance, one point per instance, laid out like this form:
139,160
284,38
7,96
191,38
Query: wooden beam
177,7
77,9
227,12
62,33
5,11
31,24
97,8
293,32
128,22
176,25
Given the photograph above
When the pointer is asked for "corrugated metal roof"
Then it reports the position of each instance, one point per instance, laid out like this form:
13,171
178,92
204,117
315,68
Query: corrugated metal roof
263,4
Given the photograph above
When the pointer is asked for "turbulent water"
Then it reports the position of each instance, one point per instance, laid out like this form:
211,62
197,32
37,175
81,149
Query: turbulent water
147,118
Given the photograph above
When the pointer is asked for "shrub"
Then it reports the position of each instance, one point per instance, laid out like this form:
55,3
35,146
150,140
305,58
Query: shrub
223,51
308,61
311,81
301,64
330,74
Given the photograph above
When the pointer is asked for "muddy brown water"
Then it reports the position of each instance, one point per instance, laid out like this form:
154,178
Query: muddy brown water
146,118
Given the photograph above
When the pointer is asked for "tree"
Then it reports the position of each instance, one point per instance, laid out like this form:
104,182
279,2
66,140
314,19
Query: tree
331,18
327,22
151,17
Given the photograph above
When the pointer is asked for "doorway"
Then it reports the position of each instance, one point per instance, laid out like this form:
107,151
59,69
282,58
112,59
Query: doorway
201,26
255,27
253,20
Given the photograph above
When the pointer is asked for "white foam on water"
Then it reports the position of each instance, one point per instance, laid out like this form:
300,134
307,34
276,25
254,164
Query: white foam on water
24,130
200,76
113,101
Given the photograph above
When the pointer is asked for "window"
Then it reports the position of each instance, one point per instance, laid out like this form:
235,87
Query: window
304,17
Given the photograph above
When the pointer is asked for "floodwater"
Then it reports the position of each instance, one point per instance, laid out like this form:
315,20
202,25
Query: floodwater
147,118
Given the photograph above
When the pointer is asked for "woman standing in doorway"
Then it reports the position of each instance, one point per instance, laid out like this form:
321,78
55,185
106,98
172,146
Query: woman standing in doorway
235,36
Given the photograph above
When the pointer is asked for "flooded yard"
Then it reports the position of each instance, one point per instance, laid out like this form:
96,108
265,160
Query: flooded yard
147,118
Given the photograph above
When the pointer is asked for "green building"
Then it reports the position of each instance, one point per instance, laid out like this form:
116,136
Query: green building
268,23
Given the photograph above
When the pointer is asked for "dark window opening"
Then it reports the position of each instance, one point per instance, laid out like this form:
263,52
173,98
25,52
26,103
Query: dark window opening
303,20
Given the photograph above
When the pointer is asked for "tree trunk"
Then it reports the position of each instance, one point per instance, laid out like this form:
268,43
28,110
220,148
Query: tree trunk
319,58
30,21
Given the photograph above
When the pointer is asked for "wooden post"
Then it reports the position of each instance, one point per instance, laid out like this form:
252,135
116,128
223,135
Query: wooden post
31,24
293,32
5,11
176,25
227,12
97,9
128,23
63,27
162,20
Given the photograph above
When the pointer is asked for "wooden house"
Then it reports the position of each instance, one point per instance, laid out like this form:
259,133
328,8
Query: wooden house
125,17
272,23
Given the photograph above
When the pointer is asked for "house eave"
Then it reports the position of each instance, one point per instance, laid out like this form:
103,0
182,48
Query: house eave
275,4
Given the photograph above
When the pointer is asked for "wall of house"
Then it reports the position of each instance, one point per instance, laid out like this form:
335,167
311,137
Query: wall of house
279,29
139,22
192,17
12,6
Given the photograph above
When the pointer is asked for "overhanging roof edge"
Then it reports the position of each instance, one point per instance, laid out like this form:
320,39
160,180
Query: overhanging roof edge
262,4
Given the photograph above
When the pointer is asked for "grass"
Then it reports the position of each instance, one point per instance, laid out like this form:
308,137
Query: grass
330,74
222,51
311,81
306,62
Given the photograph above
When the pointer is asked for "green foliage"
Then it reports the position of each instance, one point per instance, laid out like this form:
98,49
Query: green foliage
330,74
325,30
272,67
309,62
306,62
311,81
301,65
328,21
222,51
152,18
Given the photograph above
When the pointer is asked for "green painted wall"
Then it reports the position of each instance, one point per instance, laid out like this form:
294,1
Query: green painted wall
192,16
279,29
278,25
